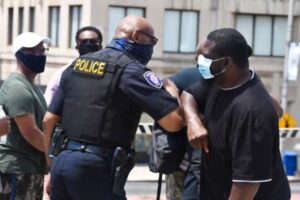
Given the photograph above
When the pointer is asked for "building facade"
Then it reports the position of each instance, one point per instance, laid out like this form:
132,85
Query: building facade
179,25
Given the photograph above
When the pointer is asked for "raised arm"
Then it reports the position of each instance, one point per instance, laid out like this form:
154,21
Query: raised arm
197,133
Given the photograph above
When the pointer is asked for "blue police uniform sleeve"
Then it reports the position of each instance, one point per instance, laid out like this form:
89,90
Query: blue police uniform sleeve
56,105
186,77
149,96
201,91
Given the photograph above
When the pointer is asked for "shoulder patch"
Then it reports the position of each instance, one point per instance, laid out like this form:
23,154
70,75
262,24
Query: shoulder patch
153,79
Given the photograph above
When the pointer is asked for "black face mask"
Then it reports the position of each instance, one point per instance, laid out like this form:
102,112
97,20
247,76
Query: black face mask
35,63
88,47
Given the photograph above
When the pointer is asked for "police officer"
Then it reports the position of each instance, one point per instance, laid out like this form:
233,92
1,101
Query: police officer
88,39
99,102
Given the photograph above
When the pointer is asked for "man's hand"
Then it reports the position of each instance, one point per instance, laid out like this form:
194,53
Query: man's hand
4,126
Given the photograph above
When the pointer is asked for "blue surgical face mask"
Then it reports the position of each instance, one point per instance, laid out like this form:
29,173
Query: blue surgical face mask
204,66
35,63
141,52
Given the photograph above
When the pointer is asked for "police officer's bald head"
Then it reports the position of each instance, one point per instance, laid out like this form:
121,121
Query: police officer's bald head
135,28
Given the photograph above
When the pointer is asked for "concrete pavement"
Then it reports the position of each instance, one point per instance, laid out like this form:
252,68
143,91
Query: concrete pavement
141,173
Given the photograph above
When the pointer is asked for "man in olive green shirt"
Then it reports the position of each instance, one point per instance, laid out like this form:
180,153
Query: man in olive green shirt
22,155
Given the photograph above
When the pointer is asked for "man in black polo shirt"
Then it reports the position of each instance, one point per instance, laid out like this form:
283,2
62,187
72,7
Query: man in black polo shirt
241,157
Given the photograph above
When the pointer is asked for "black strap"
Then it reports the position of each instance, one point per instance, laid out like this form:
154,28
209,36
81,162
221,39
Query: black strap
125,60
159,186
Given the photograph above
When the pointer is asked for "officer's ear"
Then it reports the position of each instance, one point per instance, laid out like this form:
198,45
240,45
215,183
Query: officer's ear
135,36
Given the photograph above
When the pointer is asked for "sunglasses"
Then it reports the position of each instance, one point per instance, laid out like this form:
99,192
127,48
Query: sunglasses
153,38
85,41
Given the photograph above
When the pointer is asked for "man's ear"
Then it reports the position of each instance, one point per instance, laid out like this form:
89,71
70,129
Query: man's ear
135,35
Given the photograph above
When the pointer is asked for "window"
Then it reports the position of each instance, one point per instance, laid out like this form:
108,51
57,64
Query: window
266,34
180,31
75,20
54,25
20,21
117,13
10,25
31,19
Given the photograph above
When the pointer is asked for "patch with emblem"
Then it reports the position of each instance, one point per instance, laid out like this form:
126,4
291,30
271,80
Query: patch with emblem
90,66
153,79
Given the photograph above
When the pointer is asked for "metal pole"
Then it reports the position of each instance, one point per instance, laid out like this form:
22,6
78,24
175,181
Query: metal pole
284,91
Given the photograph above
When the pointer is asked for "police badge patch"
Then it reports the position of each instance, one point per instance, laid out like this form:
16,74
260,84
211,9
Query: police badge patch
153,79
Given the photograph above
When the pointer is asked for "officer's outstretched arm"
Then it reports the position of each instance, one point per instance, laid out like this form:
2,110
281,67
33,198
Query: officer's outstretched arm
173,121
49,122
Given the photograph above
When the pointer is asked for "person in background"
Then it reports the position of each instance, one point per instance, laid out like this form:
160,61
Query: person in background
88,39
184,184
22,155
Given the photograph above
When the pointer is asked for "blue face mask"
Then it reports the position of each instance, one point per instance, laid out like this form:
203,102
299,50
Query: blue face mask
204,66
35,63
141,52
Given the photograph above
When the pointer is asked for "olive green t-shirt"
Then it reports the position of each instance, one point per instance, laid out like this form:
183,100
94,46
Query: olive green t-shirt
19,97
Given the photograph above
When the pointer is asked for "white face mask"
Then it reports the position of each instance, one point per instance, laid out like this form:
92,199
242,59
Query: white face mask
204,65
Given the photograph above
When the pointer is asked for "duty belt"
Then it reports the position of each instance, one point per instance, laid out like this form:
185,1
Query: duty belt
90,148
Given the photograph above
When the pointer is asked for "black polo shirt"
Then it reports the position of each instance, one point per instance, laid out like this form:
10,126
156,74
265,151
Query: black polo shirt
243,136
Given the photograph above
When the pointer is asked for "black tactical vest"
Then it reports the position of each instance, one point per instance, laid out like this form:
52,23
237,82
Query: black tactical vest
91,113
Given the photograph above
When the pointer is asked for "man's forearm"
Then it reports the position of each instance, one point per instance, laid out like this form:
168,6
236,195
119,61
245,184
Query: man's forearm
30,131
197,133
36,139
49,122
243,191
190,108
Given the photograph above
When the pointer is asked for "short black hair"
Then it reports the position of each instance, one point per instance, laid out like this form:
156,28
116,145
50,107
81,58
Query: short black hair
231,43
89,28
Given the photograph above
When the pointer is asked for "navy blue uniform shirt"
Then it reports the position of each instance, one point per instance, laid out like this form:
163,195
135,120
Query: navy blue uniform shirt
186,78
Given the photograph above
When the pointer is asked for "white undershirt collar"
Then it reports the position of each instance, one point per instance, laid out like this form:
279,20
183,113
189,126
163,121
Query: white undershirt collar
239,85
